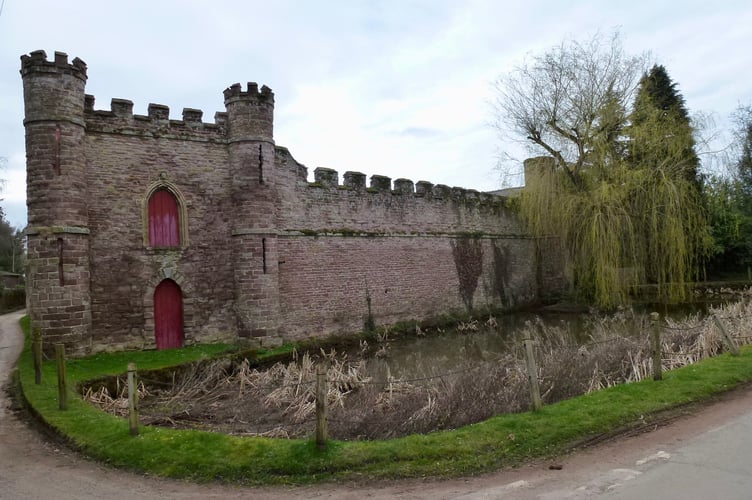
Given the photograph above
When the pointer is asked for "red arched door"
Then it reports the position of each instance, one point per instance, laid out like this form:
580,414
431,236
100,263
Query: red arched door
163,220
168,315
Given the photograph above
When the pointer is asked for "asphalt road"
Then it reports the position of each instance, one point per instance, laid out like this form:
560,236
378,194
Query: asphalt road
706,454
715,465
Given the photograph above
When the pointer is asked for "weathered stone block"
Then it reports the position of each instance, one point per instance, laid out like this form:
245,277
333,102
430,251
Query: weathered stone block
381,183
326,177
404,186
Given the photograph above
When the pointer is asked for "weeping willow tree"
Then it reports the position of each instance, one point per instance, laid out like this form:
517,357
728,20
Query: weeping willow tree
614,184
594,222
662,153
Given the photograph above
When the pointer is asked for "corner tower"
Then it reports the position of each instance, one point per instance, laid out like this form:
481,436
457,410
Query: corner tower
250,137
57,233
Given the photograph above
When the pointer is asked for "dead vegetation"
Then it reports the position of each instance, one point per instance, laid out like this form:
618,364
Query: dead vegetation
280,401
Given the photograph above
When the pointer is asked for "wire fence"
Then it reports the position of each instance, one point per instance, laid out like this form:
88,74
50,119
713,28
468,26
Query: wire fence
294,399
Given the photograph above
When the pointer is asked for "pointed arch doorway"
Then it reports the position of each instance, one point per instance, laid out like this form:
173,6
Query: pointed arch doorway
168,315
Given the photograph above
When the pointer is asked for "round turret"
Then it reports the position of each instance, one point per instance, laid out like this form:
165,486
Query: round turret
58,275
55,132
250,115
250,138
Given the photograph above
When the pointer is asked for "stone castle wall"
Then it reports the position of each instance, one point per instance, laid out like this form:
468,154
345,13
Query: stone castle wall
264,254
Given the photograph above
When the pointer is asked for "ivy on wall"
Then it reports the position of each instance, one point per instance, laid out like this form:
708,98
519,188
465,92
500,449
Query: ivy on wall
468,259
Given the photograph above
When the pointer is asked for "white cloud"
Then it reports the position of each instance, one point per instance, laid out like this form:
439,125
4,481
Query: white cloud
395,87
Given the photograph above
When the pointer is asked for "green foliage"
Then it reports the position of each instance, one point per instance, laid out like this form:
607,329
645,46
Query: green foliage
660,129
658,91
627,200
729,202
626,226
12,299
505,440
11,241
743,118
11,248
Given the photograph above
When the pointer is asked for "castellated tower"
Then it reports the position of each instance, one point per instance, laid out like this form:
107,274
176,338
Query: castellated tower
147,231
58,233
251,152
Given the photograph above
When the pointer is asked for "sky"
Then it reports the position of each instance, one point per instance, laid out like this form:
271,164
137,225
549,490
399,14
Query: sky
401,88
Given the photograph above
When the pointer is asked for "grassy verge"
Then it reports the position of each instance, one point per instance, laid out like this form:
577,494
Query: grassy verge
505,440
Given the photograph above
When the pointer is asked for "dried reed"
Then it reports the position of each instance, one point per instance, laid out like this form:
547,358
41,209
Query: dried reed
280,400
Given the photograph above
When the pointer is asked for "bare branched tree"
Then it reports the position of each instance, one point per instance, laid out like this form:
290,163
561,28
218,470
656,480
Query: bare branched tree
564,102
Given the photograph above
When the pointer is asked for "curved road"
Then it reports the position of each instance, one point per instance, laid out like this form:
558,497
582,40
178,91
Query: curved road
704,455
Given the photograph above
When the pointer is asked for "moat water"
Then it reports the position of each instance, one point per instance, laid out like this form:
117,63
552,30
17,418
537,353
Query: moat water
419,355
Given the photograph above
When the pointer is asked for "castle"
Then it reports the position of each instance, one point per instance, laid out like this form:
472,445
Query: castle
149,232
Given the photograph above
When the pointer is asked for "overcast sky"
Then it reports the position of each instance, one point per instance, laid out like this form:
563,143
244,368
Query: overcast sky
399,88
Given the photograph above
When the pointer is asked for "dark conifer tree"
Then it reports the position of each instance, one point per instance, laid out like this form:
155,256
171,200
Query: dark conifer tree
660,106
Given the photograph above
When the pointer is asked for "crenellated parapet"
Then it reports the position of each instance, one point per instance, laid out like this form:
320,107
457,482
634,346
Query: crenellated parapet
157,123
328,178
36,62
53,90
250,113
263,97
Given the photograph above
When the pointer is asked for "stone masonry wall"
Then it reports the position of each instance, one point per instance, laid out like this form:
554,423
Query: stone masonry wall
413,250
58,288
330,284
264,253
126,156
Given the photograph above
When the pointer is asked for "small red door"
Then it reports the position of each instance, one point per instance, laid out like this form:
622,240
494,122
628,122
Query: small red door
168,315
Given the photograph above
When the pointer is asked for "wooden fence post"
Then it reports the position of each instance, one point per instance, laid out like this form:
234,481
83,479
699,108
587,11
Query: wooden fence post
322,391
62,377
655,342
36,352
532,372
730,344
132,399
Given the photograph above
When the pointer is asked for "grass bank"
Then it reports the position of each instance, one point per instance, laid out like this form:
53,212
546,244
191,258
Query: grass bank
505,440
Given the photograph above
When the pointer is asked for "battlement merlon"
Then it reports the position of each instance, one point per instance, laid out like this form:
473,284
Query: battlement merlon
37,61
